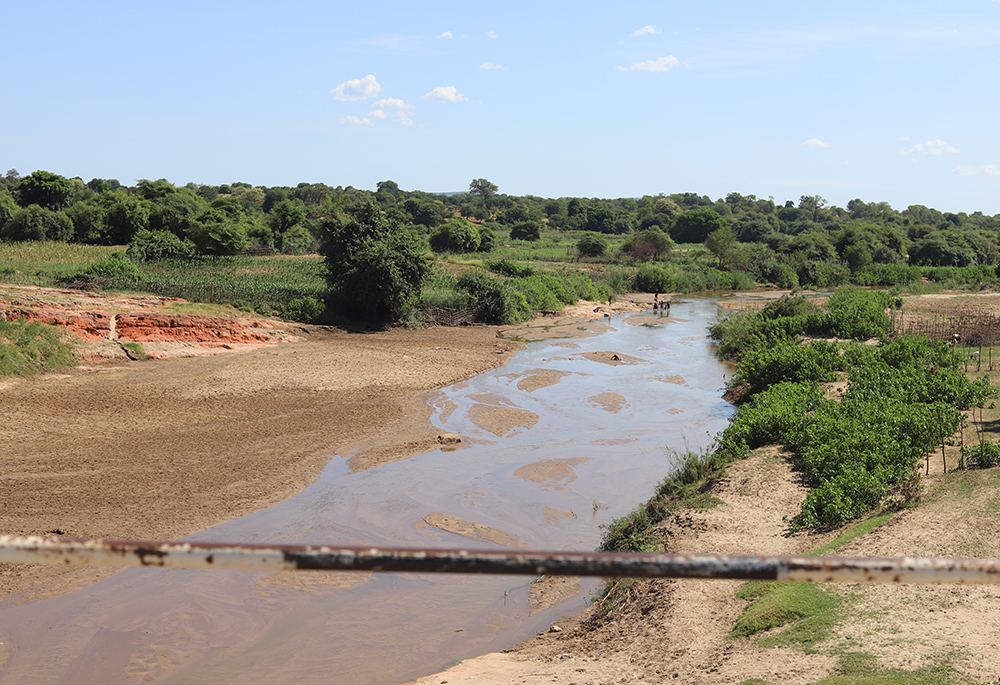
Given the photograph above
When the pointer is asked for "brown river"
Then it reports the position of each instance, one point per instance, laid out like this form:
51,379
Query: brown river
565,438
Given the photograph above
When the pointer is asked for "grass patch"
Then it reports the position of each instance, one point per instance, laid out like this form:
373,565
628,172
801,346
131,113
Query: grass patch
135,351
30,348
811,610
48,263
264,284
847,535
862,668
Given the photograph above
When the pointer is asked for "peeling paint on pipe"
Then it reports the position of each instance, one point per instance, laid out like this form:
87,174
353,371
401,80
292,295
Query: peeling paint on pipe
46,550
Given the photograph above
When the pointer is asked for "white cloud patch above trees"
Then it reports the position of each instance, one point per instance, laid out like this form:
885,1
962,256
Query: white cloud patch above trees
815,142
392,103
934,148
662,64
489,65
357,89
357,121
447,35
491,34
645,31
987,170
445,94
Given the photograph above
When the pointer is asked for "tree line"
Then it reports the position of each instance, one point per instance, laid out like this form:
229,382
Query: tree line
745,239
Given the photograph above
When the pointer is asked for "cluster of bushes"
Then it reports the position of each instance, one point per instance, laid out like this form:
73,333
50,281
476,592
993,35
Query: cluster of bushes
904,398
851,313
508,292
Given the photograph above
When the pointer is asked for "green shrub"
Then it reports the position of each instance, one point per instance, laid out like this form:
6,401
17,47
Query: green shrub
457,235
984,455
115,267
653,279
495,301
537,293
304,309
592,245
149,245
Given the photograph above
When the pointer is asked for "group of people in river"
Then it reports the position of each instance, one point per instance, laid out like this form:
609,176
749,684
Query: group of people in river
661,305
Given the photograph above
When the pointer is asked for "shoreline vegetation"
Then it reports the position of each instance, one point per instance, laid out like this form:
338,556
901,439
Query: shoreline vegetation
859,416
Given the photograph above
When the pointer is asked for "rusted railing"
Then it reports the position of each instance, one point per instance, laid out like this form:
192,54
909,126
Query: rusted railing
45,550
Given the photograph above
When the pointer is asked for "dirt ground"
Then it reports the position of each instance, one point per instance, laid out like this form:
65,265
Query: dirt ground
231,415
159,449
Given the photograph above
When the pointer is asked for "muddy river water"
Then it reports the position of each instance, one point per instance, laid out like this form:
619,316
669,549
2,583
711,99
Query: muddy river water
569,434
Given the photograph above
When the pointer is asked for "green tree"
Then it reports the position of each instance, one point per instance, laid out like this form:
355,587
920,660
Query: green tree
286,214
37,223
694,225
526,230
722,243
45,189
482,188
375,269
457,235
126,214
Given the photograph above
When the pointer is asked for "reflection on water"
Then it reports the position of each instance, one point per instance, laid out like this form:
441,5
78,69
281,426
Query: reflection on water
566,438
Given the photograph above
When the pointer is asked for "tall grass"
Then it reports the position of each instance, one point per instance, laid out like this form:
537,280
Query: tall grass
30,348
265,284
48,263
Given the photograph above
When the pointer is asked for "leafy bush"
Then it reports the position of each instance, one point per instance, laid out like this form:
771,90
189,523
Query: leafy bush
984,455
496,302
149,245
860,314
788,305
592,245
526,230
304,309
457,235
777,361
116,266
653,279
537,293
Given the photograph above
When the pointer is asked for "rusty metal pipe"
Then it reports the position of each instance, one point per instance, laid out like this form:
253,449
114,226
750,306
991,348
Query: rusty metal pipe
46,550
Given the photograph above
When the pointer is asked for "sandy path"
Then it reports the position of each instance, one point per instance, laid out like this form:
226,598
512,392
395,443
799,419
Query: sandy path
160,449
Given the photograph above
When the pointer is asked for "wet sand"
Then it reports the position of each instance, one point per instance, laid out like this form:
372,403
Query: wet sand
162,449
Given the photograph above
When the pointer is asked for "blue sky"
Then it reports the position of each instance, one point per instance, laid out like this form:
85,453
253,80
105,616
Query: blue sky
893,101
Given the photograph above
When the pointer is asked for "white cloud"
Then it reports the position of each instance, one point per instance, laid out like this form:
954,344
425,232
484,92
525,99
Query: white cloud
404,118
491,34
815,142
645,31
391,103
931,147
661,64
447,35
357,121
489,65
988,170
377,114
357,89
445,94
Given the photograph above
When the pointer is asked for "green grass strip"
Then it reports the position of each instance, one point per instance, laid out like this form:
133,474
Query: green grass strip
30,348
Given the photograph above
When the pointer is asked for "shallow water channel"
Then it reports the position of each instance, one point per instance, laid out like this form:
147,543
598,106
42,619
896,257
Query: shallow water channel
564,439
